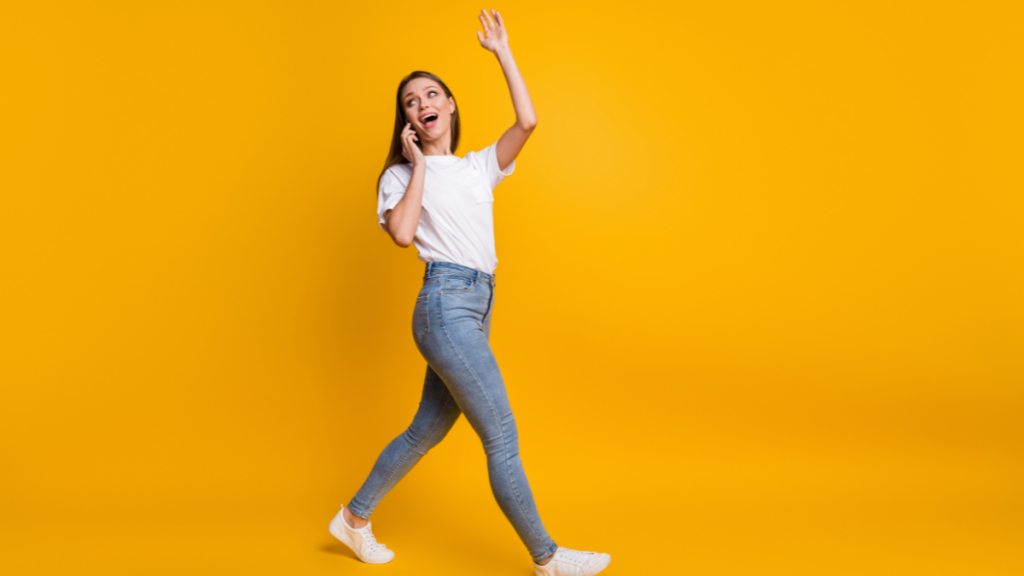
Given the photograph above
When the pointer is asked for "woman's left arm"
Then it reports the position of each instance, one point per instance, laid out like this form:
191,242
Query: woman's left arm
512,141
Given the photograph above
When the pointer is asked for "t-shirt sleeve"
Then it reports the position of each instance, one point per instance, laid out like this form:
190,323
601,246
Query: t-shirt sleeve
390,192
487,160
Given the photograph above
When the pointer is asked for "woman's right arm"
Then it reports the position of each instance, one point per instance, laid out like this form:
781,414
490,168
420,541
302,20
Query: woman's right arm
403,220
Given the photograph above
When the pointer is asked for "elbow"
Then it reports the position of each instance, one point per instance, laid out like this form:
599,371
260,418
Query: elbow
527,125
399,237
402,240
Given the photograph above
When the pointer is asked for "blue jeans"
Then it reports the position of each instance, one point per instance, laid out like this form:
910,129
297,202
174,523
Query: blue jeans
451,326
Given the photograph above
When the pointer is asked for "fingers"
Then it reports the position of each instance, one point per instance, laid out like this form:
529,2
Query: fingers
493,18
407,144
409,131
409,148
490,21
409,137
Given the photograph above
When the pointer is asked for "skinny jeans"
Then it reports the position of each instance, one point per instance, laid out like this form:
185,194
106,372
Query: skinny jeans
451,325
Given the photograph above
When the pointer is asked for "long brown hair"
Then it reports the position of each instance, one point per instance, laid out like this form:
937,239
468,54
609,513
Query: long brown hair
395,154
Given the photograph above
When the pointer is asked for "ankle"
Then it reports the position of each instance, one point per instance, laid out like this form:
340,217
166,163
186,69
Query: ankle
545,561
354,521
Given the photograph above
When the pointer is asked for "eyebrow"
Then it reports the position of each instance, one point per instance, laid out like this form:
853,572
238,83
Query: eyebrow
410,91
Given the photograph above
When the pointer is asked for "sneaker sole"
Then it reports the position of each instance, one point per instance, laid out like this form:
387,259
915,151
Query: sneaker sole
338,532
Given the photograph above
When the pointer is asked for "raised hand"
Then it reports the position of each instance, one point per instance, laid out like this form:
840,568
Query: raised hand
410,150
494,36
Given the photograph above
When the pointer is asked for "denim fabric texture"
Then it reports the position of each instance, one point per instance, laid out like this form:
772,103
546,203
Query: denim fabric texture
451,325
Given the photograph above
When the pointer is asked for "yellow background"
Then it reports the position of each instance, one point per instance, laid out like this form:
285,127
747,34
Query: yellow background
759,301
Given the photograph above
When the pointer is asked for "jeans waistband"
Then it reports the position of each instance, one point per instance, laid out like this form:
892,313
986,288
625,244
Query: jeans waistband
441,267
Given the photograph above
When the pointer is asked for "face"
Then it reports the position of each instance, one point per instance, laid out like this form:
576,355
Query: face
427,108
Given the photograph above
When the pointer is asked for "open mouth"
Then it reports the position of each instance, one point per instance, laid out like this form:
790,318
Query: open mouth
429,121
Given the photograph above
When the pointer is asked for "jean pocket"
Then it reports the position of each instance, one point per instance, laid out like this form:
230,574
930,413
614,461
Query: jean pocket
421,318
457,284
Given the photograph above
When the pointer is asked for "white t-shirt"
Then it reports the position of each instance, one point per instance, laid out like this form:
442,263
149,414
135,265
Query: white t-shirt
457,217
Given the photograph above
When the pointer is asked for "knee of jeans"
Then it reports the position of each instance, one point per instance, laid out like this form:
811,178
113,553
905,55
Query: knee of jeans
504,442
422,442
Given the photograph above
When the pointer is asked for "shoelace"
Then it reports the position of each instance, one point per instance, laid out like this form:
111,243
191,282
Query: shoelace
371,542
575,556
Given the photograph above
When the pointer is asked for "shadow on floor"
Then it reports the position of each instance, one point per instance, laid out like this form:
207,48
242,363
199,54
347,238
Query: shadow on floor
335,547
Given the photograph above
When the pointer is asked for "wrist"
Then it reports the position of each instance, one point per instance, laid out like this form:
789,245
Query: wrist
502,51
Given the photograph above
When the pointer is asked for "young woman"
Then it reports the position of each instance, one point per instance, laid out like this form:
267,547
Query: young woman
443,204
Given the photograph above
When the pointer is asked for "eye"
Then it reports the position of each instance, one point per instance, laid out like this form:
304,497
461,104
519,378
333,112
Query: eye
431,93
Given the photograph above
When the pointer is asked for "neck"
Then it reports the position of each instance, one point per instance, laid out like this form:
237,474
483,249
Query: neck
439,147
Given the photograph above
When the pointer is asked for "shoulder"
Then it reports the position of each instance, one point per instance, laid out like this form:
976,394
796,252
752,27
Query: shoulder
477,159
473,157
399,170
481,156
400,173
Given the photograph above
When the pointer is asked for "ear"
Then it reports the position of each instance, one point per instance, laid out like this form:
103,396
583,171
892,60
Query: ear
451,107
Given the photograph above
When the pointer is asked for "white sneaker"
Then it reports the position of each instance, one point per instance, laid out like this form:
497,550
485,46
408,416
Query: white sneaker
360,540
568,562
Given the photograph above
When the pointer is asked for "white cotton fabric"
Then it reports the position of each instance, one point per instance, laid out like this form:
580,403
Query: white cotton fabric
457,216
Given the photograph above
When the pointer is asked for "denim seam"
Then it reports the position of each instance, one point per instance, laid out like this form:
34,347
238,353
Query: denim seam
357,511
405,455
426,317
490,306
472,286
501,428
451,273
550,551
